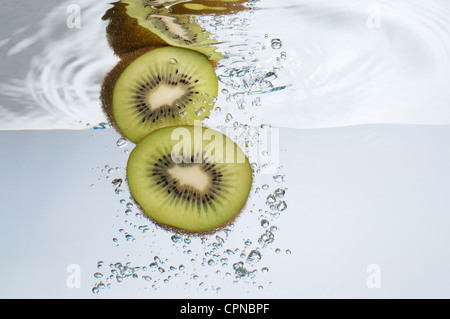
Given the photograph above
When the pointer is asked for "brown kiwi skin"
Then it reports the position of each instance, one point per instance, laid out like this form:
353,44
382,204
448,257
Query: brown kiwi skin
125,35
192,233
109,82
110,79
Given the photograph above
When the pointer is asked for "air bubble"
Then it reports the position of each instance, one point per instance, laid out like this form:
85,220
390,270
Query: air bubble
279,193
177,239
228,117
254,256
173,61
256,101
121,142
276,43
281,206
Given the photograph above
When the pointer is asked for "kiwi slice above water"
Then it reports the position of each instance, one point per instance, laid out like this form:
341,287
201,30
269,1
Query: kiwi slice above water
134,24
199,7
167,86
189,178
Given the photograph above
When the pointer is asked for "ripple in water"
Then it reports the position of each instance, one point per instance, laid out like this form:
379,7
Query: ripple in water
335,63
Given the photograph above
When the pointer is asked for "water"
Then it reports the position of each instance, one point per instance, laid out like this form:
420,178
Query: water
300,64
327,64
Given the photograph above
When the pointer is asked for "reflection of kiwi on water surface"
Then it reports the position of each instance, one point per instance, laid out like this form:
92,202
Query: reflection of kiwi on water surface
189,178
153,88
199,7
134,24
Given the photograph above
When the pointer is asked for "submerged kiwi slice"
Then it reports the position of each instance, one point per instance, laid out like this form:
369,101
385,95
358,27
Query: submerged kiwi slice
189,178
134,24
167,86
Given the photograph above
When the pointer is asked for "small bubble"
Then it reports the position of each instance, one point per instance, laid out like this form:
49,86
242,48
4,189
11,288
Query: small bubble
279,193
281,206
278,178
270,199
173,61
276,43
264,269
288,252
98,275
265,187
117,182
229,252
264,223
121,142
265,126
283,55
177,239
256,101
270,76
228,117
254,256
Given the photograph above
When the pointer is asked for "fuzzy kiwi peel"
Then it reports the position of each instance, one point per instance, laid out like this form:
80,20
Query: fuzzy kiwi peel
134,24
189,179
153,88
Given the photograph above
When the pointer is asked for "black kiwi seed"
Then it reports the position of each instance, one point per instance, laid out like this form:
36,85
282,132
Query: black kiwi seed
181,192
166,110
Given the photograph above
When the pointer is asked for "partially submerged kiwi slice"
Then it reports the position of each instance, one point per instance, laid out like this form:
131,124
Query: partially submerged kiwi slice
199,7
189,178
134,24
162,87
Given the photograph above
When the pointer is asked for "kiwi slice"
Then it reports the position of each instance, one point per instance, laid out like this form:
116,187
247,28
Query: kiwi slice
200,7
151,89
189,178
134,24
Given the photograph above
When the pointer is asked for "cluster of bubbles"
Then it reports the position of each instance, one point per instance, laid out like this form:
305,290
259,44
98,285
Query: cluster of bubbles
195,262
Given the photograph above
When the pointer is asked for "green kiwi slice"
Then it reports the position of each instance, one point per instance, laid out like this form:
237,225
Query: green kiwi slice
134,24
189,178
161,87
199,7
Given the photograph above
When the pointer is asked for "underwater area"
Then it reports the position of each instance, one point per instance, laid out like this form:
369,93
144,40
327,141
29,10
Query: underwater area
342,105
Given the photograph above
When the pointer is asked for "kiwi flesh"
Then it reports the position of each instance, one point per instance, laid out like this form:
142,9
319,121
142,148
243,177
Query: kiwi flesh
154,88
189,179
199,7
134,24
